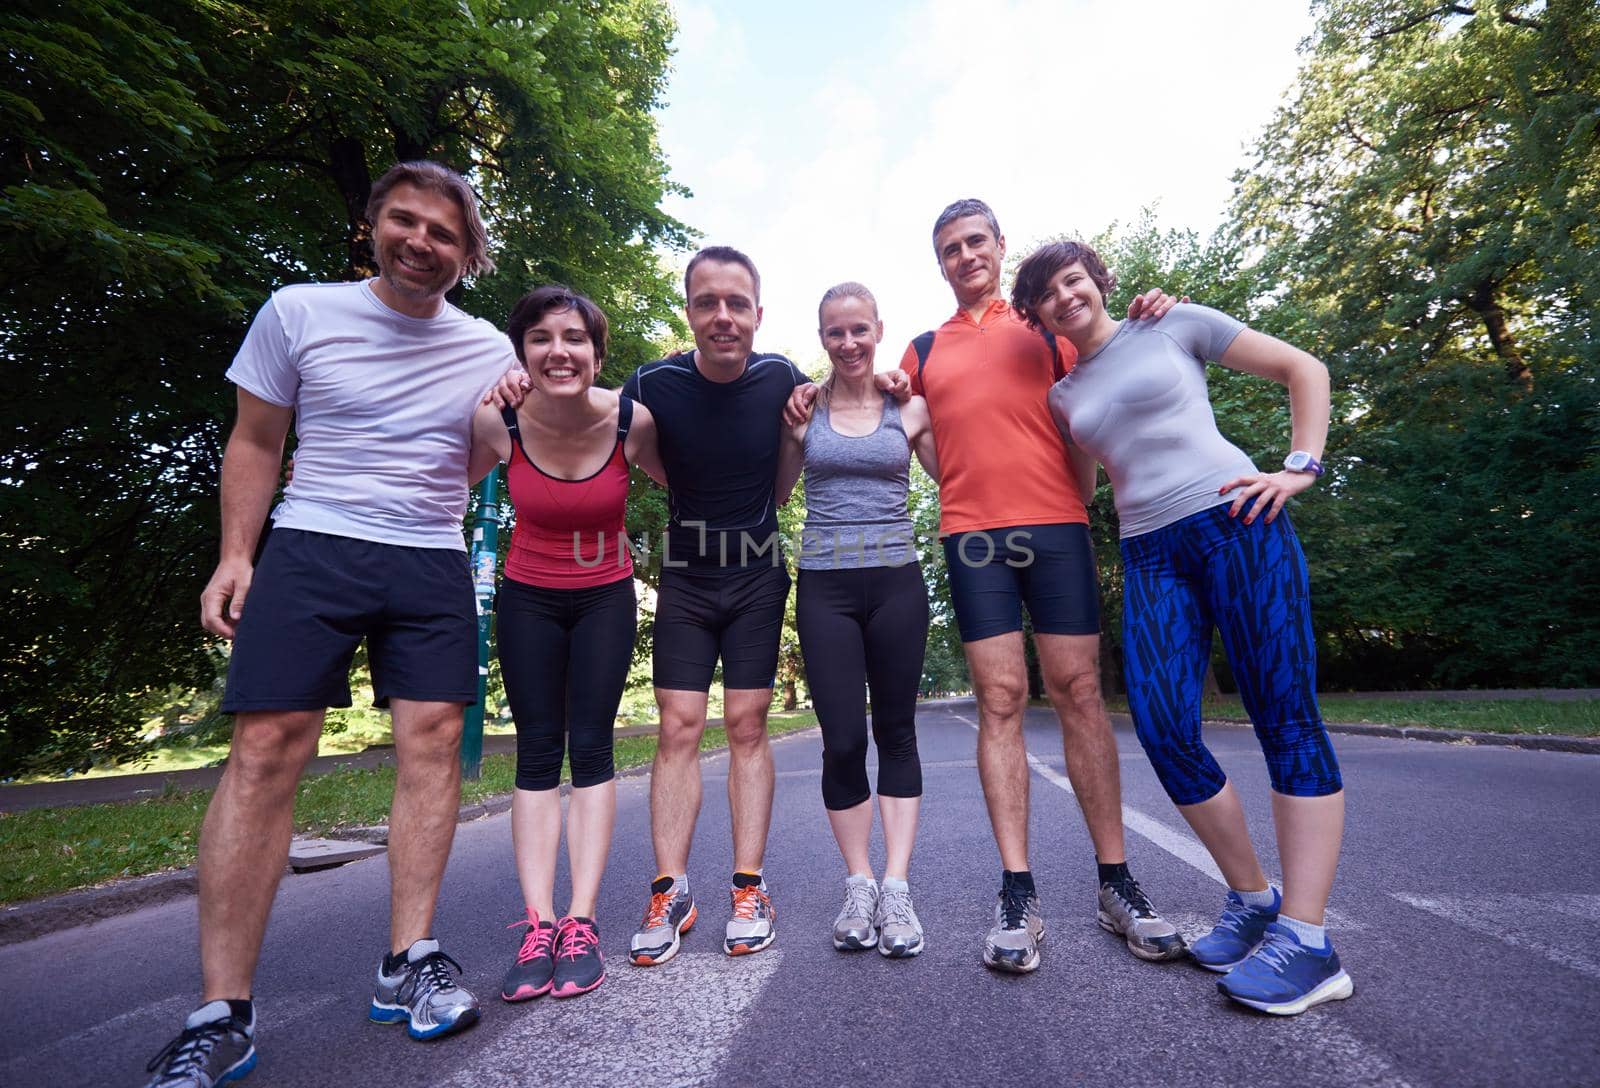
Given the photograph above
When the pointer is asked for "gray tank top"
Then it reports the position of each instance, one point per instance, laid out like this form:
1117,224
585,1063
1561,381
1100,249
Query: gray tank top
856,488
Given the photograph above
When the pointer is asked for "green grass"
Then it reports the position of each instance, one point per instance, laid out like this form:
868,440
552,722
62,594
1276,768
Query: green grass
1576,717
50,850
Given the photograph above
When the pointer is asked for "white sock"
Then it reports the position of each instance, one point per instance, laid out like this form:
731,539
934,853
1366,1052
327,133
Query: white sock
1257,899
895,884
861,878
1307,934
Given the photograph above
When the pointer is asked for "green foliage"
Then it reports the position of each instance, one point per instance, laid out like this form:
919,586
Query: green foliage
49,850
1424,214
162,170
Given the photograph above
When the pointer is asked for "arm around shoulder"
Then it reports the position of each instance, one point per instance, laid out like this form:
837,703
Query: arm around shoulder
919,434
491,442
791,458
643,446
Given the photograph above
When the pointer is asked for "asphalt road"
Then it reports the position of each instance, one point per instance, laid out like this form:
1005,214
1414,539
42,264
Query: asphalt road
1467,912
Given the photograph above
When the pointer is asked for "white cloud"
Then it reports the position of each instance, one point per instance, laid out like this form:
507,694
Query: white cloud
825,147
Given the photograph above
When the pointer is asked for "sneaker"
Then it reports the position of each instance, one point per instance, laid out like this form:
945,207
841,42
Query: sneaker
1013,943
1127,911
215,1047
750,928
423,995
531,975
579,965
1285,978
855,928
899,931
671,914
1236,933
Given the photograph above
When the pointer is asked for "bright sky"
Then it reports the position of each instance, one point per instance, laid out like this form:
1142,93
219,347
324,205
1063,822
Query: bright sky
823,138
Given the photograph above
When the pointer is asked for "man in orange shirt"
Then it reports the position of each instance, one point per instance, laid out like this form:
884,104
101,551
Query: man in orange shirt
1015,532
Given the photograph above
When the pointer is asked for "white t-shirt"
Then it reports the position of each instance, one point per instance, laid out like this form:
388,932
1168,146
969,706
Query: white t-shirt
383,409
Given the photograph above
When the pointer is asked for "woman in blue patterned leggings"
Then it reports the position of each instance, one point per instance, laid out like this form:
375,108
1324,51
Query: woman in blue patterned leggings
1206,544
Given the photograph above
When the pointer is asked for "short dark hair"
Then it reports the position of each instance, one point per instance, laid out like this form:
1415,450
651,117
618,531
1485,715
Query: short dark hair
437,178
1040,267
554,298
960,210
722,255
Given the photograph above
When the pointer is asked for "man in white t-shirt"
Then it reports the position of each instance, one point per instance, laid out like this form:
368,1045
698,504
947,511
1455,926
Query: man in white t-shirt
380,379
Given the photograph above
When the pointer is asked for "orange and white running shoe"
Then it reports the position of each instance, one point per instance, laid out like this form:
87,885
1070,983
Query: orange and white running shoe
750,928
671,914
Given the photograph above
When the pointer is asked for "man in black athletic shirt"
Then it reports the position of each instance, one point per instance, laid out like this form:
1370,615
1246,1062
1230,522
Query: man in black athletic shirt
722,591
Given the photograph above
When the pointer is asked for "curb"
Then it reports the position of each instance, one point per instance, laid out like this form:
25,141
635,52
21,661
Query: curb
1533,742
40,917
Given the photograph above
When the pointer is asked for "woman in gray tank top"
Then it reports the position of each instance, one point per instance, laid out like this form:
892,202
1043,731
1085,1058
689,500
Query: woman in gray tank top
1207,543
862,612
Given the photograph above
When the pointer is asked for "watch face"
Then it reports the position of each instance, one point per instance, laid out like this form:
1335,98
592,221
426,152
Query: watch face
1297,461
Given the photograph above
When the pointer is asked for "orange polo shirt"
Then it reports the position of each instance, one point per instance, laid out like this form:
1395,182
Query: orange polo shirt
1001,460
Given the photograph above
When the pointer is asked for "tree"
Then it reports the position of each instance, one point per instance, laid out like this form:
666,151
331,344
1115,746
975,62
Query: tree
163,170
1425,210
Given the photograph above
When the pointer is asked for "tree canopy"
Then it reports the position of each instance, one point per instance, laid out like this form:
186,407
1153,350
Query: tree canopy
164,168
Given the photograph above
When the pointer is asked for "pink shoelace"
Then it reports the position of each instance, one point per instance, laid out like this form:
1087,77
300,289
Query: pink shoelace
537,941
576,937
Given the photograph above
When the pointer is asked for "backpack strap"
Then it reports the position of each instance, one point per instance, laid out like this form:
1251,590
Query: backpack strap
509,414
924,346
624,417
1055,359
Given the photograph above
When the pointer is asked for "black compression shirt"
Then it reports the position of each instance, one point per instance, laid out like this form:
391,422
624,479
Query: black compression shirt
719,445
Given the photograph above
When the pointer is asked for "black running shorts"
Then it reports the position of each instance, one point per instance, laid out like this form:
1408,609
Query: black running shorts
314,597
736,615
1050,568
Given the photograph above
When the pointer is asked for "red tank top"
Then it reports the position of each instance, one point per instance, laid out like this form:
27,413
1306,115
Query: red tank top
569,533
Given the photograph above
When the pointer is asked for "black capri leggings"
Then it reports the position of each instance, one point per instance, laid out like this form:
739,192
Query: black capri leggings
564,655
859,627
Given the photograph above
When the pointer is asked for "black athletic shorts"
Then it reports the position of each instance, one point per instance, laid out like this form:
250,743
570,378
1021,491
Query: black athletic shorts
1050,568
315,596
736,615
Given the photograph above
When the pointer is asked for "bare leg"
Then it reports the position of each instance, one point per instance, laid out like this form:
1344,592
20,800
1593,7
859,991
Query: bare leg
999,678
675,777
750,774
1071,668
591,812
535,839
852,829
244,843
422,820
1219,821
899,833
1310,831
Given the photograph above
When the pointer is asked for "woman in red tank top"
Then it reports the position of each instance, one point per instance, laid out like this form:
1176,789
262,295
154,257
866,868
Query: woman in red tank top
565,619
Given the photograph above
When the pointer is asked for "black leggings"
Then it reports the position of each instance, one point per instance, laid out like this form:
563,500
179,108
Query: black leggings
564,656
859,627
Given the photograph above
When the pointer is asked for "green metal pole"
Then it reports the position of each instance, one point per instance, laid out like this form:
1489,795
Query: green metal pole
485,552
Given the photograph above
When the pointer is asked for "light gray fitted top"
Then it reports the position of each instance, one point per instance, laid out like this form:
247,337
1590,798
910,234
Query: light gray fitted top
1140,407
856,488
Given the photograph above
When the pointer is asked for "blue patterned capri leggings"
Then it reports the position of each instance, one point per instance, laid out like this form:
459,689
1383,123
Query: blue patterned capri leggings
1250,582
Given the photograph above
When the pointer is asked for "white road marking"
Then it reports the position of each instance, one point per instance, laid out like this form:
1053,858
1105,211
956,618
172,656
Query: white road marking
1522,921
165,1018
1315,1030
162,1019
1181,846
672,1025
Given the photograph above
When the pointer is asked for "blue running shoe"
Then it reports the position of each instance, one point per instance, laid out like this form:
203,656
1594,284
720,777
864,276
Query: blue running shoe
423,994
1285,978
1236,933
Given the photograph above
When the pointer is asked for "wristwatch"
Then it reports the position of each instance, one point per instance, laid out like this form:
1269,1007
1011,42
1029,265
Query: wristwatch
1301,461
